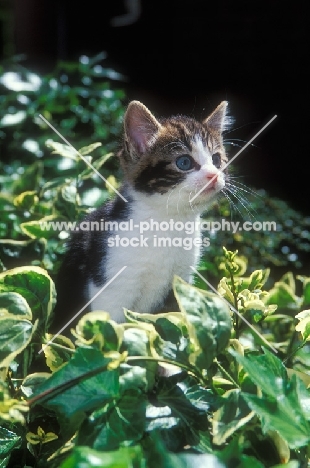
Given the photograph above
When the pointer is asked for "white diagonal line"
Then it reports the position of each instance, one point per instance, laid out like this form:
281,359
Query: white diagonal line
232,159
84,307
82,157
235,310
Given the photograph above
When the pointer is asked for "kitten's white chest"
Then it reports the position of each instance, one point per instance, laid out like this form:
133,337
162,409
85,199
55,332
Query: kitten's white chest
152,258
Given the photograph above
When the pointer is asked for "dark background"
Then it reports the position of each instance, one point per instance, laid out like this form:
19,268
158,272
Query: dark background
185,56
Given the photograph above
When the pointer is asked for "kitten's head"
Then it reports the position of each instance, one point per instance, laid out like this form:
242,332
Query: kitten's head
177,157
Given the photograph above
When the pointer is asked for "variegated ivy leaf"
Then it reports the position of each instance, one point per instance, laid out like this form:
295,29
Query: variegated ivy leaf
304,324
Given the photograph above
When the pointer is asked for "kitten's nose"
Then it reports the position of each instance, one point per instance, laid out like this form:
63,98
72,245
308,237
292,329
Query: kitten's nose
211,179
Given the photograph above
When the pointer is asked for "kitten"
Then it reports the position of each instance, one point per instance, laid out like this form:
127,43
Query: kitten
166,162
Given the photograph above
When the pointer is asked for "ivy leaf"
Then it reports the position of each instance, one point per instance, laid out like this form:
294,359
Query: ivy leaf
62,149
16,334
31,381
26,200
84,457
266,371
67,200
281,406
230,417
89,149
35,285
30,180
209,322
8,442
306,290
136,343
282,416
179,410
57,357
44,227
97,164
16,253
171,395
14,304
304,324
283,293
122,420
78,387
96,329
169,336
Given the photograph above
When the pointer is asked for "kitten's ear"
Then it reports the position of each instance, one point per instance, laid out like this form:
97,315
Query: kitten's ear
218,121
141,128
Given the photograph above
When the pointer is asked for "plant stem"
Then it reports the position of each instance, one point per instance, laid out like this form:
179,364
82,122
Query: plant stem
224,371
233,290
288,358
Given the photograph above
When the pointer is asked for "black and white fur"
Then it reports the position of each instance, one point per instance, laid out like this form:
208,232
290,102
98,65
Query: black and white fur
165,163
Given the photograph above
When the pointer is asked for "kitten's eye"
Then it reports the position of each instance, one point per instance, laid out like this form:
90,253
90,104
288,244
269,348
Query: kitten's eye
217,160
185,162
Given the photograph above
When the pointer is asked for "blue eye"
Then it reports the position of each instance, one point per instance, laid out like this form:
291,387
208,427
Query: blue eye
185,163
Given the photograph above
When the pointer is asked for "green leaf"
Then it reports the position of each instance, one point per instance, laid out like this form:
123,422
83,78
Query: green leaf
26,200
97,328
44,227
266,371
157,454
122,420
14,304
21,252
15,335
97,164
304,324
35,285
125,457
89,149
136,343
67,201
8,442
281,406
283,293
80,386
169,394
234,414
55,183
232,455
258,278
30,179
179,411
64,150
306,290
209,322
31,381
282,416
168,337
191,460
291,464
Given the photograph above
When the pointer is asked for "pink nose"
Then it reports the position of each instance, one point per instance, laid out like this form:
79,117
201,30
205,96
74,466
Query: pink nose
211,179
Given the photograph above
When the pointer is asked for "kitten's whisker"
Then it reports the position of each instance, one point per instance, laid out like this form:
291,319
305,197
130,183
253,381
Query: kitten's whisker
239,152
190,203
231,204
168,198
244,188
239,186
241,200
179,199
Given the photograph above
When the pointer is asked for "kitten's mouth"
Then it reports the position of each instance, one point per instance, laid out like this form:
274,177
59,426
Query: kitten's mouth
209,189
